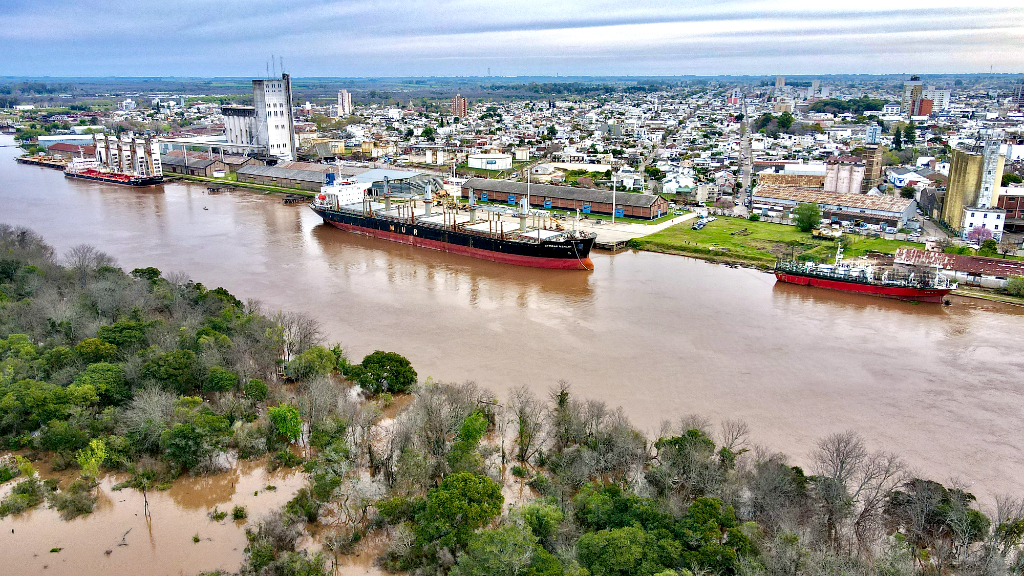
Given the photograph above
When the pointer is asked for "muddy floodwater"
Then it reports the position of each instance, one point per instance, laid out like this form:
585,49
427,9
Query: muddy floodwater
662,336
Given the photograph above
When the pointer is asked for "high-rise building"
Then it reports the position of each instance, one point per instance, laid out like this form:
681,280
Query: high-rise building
973,180
459,106
939,98
921,107
344,104
814,87
275,124
873,135
780,81
911,92
1018,98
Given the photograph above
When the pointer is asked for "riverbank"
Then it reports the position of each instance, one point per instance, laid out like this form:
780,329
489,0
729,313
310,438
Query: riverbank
757,244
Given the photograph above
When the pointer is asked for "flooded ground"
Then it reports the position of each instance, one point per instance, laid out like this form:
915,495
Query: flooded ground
158,545
662,336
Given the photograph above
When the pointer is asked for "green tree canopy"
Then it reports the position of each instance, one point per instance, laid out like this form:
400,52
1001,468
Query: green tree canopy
385,372
287,421
463,503
108,380
807,216
96,350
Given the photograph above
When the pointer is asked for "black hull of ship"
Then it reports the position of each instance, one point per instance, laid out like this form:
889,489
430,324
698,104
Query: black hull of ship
563,255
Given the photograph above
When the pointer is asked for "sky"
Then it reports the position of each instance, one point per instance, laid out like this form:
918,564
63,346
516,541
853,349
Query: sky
376,38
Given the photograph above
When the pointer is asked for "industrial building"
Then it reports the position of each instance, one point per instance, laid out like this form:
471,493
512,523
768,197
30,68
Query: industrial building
973,183
586,200
490,161
192,166
974,270
268,123
893,211
128,154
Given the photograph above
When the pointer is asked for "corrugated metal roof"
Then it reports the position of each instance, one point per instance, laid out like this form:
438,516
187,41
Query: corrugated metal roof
863,201
287,173
378,174
563,192
790,180
977,265
180,161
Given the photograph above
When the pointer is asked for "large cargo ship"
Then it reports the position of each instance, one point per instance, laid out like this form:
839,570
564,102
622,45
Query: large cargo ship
916,286
471,230
90,169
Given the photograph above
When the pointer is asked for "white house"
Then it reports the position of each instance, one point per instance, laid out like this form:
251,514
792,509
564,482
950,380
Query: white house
992,219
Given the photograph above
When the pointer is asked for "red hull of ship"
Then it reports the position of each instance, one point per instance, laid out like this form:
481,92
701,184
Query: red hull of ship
898,292
532,261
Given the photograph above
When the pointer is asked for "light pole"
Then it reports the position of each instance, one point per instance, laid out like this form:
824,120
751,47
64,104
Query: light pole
614,187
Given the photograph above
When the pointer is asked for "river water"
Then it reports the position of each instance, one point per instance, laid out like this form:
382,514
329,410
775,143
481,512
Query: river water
662,336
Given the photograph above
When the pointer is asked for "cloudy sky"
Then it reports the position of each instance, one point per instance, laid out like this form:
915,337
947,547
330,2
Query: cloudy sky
524,37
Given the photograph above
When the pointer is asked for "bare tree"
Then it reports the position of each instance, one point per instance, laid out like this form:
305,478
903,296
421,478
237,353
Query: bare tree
735,434
528,419
84,258
299,331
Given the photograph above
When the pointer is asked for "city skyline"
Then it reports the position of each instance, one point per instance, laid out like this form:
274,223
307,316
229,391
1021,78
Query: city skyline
363,39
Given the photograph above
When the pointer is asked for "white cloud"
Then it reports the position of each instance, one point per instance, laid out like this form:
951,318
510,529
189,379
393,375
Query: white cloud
462,37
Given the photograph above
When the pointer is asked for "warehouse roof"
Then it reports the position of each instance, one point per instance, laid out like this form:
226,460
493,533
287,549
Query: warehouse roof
790,180
976,265
180,161
564,192
287,173
862,201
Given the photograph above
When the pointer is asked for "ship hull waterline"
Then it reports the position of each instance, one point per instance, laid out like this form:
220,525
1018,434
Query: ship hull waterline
579,259
910,294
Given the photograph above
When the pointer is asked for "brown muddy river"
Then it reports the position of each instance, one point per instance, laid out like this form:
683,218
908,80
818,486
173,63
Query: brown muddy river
662,336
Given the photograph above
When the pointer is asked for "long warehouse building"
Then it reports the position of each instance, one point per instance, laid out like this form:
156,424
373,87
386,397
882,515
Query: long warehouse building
586,200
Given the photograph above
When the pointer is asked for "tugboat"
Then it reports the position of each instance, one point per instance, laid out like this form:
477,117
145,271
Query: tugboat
918,286
90,169
456,228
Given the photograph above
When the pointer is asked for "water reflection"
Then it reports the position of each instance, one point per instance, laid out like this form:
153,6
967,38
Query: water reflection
352,255
791,293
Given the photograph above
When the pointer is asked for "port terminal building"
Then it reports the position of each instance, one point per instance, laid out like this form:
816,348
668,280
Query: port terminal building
548,196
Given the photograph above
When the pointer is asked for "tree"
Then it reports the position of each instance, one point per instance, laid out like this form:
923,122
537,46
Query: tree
807,216
786,121
109,380
1011,178
910,134
897,139
315,361
908,191
618,552
979,234
220,380
185,444
95,350
287,421
552,131
177,370
454,510
1015,287
385,372
505,551
90,458
256,389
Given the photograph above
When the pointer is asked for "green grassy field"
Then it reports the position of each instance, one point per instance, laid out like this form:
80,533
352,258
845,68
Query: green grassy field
760,243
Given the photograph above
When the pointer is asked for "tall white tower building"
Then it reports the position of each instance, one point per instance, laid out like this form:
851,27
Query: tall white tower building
275,124
344,104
